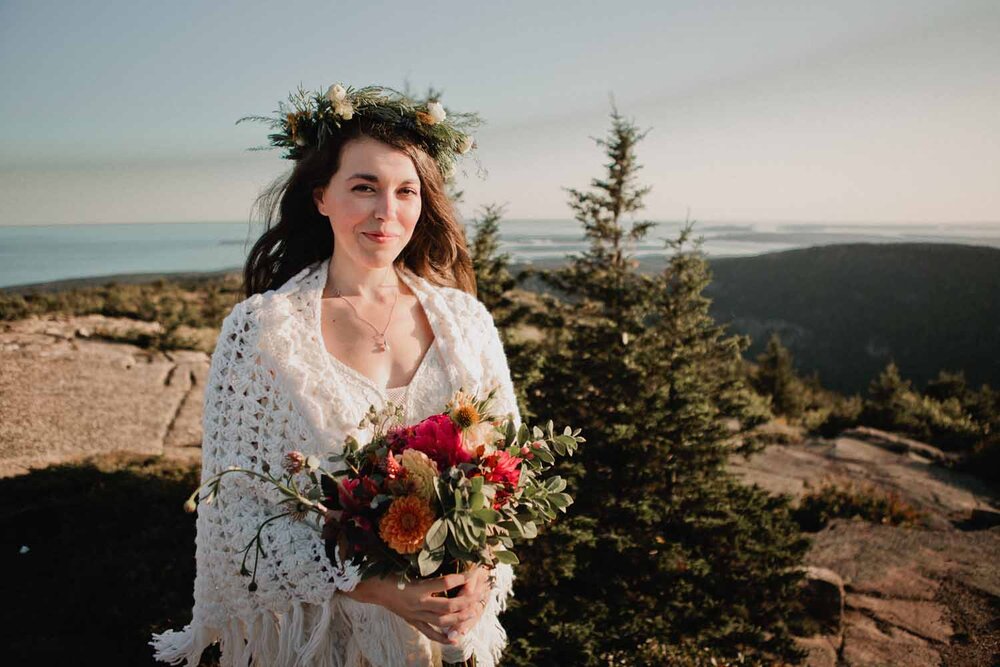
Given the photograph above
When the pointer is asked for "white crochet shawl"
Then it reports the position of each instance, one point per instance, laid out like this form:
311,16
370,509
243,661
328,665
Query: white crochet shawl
266,396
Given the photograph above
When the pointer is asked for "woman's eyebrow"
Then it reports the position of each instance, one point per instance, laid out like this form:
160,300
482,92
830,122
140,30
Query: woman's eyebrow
372,178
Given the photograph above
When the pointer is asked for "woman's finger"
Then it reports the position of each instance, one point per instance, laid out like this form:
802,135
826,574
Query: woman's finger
431,632
440,605
442,584
466,625
437,620
471,593
458,610
459,617
445,611
474,577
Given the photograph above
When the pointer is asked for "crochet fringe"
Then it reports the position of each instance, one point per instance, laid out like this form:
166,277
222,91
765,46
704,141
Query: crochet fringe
187,645
272,640
302,637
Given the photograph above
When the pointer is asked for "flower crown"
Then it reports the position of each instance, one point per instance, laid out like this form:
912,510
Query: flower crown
311,119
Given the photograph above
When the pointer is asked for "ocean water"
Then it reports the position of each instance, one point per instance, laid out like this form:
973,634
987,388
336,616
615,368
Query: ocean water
35,254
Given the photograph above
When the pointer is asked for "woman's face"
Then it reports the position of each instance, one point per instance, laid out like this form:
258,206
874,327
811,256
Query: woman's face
372,201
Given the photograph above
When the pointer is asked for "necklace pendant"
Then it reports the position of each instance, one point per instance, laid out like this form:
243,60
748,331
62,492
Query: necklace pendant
381,343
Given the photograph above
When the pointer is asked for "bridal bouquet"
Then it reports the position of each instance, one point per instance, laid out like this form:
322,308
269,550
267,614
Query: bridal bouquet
415,501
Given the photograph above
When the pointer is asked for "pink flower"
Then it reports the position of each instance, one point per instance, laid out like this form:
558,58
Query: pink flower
393,469
398,437
293,462
502,468
439,438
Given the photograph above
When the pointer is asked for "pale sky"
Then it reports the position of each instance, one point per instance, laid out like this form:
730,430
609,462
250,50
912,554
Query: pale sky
835,111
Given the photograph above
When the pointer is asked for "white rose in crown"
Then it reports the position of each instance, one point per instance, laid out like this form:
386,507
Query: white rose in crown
344,109
299,141
466,144
336,94
436,111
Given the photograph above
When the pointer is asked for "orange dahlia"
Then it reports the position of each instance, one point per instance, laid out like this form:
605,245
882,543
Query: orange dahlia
406,523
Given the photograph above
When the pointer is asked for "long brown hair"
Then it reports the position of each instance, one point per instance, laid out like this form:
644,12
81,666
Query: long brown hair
297,235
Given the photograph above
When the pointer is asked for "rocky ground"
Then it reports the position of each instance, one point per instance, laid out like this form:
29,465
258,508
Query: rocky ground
888,595
66,393
884,595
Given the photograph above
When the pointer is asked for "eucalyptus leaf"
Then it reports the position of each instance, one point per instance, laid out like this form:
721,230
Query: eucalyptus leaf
544,454
429,561
486,515
567,440
468,533
560,500
507,557
513,528
555,484
436,535
476,501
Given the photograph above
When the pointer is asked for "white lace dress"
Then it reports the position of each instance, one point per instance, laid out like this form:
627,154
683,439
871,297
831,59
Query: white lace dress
273,388
426,393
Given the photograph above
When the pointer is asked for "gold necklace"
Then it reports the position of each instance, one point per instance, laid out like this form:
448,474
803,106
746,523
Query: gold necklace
380,342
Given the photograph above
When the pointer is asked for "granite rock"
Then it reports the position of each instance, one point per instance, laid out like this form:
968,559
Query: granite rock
66,394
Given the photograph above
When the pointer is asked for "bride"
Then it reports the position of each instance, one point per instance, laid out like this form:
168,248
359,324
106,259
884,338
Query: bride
361,291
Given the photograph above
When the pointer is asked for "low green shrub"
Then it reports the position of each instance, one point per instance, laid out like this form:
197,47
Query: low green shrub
109,559
817,508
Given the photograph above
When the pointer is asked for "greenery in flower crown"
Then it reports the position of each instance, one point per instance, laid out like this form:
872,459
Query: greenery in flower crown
310,119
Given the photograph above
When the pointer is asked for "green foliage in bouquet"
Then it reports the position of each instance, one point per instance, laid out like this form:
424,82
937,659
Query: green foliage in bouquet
477,516
664,544
475,484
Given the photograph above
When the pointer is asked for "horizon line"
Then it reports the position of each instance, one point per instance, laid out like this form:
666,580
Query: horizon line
731,221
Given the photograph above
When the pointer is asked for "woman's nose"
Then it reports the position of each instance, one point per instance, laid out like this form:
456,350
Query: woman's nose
385,206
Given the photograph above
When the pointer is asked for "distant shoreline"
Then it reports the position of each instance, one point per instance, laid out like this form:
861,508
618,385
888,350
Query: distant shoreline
120,278
647,264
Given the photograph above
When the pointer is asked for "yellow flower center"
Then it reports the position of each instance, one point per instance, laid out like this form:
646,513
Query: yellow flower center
466,415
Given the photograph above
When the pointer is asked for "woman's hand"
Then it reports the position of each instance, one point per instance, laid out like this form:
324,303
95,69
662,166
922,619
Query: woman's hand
476,590
423,604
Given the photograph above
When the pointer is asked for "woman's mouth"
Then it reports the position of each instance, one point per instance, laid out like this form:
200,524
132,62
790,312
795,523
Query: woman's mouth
379,238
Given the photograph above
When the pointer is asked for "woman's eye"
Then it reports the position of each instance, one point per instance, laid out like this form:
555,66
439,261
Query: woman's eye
358,188
409,191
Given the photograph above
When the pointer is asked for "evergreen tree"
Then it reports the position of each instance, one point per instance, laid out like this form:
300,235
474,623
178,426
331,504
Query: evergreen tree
492,267
662,543
949,385
889,401
893,404
775,377
495,285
